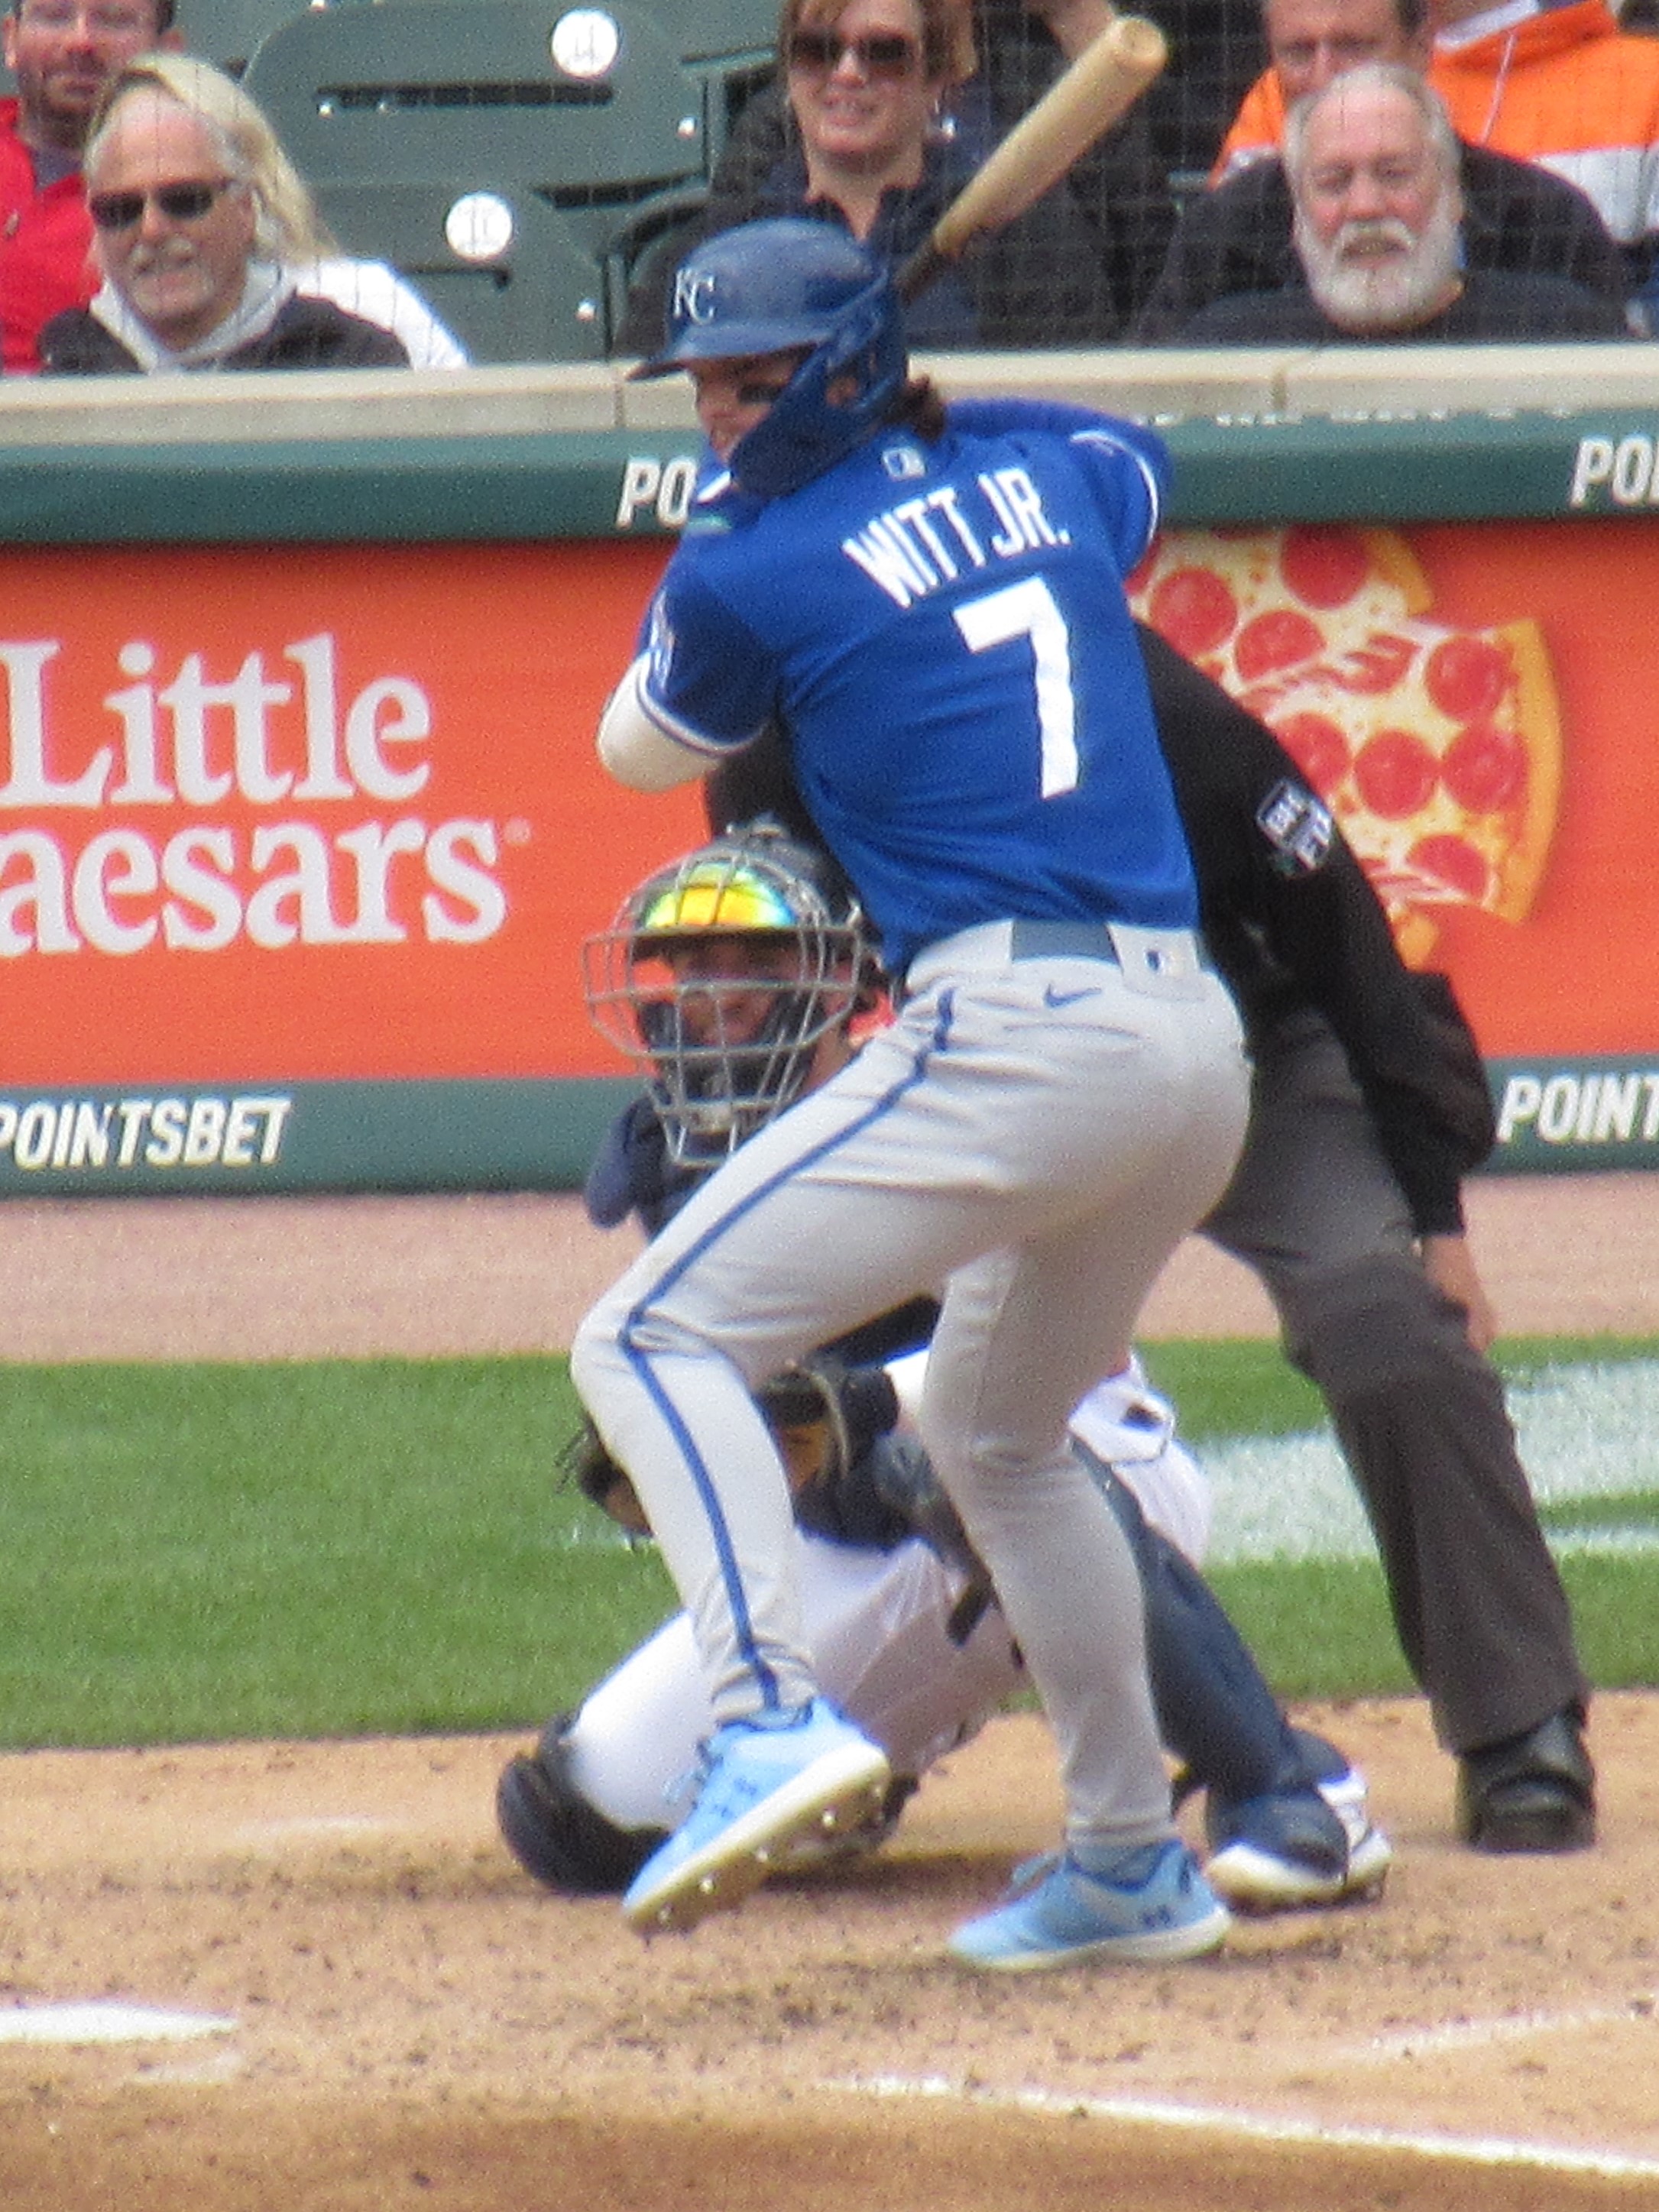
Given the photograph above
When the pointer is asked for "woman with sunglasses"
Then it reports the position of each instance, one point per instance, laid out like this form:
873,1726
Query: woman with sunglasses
878,134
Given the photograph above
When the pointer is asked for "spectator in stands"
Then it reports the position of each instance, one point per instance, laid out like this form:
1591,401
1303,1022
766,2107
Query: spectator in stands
1215,54
1372,165
871,129
63,55
46,258
193,235
1237,237
1561,85
368,289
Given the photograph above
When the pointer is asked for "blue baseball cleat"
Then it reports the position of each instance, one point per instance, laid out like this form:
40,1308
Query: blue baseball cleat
1153,1906
766,1783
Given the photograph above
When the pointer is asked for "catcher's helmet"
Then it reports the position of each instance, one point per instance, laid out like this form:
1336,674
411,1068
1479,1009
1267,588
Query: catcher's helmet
776,287
715,1077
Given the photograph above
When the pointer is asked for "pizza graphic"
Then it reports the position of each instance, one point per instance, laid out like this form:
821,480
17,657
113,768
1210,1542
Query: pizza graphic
1437,749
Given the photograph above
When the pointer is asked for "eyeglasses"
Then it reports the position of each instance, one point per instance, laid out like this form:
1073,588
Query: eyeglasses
887,54
184,202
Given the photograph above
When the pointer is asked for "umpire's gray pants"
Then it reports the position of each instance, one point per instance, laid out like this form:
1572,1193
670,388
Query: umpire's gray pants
1315,1211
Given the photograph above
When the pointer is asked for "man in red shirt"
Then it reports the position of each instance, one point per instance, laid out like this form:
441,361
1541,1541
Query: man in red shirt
62,53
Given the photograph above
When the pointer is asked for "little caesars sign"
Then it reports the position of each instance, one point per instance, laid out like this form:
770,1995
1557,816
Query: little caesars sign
261,803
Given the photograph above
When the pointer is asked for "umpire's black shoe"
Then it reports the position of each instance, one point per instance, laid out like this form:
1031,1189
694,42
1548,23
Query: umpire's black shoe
1534,1792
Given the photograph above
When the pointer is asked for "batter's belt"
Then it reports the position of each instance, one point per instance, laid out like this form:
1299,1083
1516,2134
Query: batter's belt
1166,962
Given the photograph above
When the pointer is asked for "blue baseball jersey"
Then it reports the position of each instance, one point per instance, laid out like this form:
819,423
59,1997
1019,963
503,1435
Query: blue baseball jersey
941,632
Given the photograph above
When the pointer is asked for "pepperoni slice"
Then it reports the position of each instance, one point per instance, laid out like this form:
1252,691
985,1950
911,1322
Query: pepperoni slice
1279,640
1454,861
1485,769
1395,773
1317,747
1195,610
1466,678
1324,568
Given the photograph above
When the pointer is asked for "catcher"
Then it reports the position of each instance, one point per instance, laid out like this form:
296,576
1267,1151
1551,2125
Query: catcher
737,979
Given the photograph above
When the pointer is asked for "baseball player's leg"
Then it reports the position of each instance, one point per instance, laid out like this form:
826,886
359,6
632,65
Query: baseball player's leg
1420,1413
1277,1840
1020,1334
975,1116
585,1808
1215,1712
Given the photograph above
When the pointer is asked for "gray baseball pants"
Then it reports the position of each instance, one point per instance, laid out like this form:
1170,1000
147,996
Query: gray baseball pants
1036,1134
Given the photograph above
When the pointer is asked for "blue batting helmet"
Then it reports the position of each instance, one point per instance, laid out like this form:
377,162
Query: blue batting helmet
777,287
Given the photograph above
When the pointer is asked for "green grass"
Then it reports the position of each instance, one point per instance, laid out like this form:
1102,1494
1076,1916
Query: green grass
336,1548
341,1548
1242,1386
1322,1628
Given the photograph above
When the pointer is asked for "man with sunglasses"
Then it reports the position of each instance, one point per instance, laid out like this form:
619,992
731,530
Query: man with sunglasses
64,56
189,283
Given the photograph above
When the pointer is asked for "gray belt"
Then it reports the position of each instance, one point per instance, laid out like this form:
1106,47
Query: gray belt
1168,962
1062,940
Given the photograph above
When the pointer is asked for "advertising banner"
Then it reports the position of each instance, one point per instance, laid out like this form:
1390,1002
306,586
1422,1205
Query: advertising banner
1478,702
298,844
281,820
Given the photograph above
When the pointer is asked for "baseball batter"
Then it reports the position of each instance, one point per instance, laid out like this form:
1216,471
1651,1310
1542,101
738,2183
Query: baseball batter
931,604
733,979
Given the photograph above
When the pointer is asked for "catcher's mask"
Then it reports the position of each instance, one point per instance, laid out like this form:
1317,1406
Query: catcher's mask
719,977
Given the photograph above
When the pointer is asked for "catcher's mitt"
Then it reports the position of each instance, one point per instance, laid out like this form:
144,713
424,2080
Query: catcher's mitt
602,1481
822,1417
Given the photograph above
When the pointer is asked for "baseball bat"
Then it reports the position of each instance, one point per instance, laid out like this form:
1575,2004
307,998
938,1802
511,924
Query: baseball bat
1102,84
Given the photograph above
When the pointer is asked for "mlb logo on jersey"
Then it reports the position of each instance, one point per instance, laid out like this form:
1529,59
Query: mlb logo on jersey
1299,827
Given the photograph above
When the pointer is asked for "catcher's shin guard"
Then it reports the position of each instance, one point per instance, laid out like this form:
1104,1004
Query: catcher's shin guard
555,1834
1215,1712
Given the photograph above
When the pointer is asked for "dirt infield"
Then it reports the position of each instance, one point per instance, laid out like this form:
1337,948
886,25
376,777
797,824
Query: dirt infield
392,2014
309,1278
363,2004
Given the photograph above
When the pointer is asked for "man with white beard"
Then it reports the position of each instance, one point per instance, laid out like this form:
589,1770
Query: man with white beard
1372,166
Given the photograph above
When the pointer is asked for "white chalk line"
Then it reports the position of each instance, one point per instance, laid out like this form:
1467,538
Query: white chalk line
106,2022
305,1828
1509,2027
1468,2150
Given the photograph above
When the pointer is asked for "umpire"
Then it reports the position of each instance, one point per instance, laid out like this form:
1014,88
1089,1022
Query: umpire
1369,1104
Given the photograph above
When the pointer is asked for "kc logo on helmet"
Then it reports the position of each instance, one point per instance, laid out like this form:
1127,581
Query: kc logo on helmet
693,296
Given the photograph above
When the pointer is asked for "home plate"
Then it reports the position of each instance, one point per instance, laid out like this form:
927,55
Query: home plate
107,2023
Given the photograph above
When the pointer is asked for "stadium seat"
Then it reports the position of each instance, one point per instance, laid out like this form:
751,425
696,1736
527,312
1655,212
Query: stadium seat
501,268
228,31
413,91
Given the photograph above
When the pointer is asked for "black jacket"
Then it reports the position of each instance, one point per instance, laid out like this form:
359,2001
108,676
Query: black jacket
1292,921
1495,306
1036,284
1516,217
306,334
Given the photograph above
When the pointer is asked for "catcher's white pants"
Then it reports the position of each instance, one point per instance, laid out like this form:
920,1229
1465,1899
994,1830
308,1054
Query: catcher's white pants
876,1626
